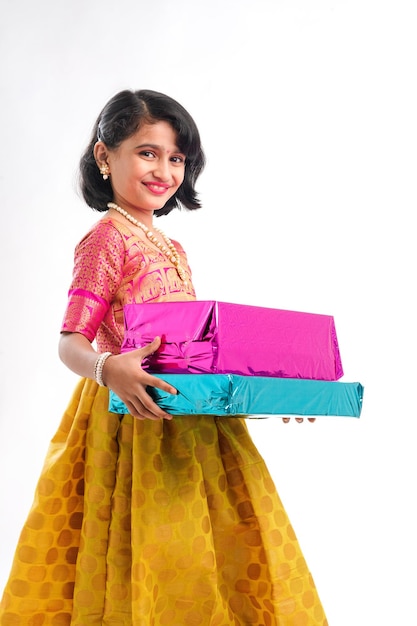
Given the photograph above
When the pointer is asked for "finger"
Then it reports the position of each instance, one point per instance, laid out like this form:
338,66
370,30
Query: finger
150,348
149,403
300,420
137,408
154,381
132,410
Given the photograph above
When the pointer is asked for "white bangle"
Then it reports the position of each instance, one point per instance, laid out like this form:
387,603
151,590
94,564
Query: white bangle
98,368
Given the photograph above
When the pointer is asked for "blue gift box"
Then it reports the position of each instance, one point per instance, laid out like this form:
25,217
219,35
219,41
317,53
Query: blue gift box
252,396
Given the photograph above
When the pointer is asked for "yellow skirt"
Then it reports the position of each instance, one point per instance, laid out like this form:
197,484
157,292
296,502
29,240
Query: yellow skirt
168,523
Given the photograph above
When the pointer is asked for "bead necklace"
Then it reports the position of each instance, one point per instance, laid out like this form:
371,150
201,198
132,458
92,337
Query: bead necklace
169,250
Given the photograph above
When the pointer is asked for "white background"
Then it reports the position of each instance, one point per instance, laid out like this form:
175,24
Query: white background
307,111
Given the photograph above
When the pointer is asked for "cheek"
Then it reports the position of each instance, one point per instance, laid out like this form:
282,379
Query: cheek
126,175
180,177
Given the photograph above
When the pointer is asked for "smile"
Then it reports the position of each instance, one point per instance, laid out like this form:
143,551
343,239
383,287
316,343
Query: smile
157,188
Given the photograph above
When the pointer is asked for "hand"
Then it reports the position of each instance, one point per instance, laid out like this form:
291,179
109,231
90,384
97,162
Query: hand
298,419
124,375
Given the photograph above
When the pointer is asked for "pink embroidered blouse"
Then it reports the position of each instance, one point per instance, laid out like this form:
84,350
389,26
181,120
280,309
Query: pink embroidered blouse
114,267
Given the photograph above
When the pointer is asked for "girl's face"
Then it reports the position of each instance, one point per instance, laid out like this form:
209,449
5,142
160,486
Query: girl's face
147,168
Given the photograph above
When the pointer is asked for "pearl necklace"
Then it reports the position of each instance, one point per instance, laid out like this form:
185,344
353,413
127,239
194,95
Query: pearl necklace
169,250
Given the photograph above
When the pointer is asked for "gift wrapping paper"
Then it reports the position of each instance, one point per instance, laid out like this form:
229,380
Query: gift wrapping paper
252,396
211,337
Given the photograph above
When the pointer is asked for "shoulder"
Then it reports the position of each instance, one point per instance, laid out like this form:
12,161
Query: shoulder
104,235
101,246
177,245
105,229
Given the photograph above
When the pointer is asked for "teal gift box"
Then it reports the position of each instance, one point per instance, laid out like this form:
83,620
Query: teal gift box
231,395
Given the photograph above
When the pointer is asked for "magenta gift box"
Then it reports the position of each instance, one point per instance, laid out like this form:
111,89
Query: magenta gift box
224,338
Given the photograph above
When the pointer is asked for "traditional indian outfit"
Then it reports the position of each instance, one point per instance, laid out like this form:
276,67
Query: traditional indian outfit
150,523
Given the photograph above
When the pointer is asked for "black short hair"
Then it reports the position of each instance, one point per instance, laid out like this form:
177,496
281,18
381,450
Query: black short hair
120,118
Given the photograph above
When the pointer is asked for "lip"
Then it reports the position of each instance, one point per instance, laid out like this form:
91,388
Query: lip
158,189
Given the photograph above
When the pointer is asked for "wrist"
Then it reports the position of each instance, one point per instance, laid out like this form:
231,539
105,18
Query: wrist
98,368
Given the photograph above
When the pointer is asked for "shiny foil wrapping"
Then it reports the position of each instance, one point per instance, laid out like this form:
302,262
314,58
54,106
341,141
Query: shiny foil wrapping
210,337
232,395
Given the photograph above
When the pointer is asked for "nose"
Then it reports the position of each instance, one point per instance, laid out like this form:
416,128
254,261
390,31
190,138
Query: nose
162,168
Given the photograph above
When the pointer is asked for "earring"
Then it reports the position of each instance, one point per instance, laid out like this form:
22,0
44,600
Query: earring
104,171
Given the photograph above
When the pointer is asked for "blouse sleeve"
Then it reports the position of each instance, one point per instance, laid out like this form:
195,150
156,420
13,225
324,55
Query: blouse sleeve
97,274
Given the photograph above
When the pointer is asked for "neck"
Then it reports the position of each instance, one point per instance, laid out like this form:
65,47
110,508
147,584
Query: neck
144,217
168,248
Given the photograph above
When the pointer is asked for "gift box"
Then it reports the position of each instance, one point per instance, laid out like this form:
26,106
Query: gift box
210,337
250,396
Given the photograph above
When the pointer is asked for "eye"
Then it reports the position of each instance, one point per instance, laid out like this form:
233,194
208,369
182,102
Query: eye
148,154
178,159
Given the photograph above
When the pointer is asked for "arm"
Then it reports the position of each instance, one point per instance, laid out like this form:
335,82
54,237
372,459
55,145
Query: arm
122,373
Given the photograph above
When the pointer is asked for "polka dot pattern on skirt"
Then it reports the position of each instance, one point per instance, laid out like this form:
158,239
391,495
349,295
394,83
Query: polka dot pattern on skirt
143,523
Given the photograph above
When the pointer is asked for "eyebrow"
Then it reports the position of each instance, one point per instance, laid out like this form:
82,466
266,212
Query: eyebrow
155,146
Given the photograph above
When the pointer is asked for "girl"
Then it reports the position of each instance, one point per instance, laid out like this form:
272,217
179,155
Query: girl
147,520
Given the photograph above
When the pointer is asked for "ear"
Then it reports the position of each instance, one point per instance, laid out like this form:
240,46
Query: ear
100,153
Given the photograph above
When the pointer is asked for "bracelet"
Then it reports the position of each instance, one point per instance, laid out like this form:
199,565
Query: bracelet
98,368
